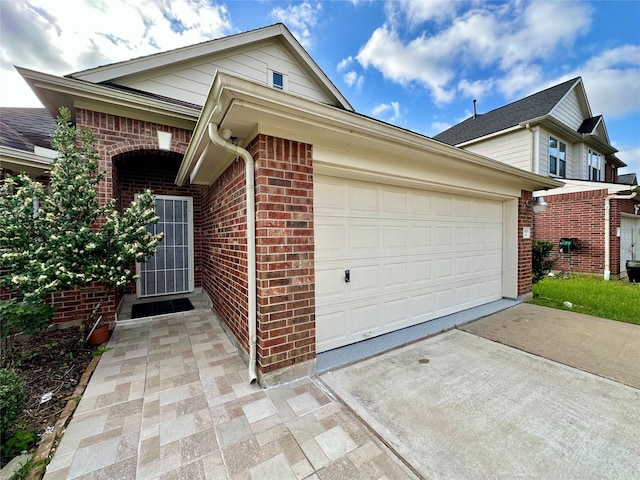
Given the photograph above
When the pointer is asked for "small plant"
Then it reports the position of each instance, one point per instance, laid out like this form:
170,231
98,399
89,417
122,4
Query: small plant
20,316
99,351
542,260
20,441
12,401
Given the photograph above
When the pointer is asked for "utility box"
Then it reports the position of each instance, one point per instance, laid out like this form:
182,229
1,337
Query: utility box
568,244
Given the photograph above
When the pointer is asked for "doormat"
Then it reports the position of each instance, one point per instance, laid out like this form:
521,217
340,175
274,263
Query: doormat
162,307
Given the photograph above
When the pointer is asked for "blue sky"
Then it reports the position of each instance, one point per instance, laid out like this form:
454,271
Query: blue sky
416,64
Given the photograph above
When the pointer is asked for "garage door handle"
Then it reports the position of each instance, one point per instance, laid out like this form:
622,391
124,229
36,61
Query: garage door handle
347,276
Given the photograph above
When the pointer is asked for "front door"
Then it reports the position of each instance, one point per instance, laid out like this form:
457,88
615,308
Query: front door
170,270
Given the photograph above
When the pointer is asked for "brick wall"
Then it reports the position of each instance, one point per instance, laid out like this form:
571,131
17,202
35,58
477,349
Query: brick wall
113,136
284,252
525,219
580,215
224,249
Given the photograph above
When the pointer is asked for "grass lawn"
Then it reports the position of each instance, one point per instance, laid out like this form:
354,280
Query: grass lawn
590,294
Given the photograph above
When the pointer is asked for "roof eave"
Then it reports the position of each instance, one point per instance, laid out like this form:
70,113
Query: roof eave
55,92
227,90
14,158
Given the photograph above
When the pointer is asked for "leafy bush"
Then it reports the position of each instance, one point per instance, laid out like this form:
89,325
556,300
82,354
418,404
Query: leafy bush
542,259
16,316
12,401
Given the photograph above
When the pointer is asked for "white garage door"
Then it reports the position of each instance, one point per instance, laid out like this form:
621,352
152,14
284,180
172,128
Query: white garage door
409,255
629,240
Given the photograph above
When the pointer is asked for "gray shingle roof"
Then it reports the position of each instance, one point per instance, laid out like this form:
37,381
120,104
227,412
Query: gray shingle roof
533,106
628,179
25,128
589,124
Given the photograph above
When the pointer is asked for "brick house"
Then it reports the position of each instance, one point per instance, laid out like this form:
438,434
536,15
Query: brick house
554,133
308,226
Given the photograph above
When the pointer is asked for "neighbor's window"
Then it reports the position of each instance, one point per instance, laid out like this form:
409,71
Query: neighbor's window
595,166
557,157
278,81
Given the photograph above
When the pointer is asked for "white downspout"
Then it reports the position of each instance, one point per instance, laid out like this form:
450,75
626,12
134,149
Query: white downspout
607,230
251,239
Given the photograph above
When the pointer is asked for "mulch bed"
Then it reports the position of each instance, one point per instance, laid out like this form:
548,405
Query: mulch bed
52,362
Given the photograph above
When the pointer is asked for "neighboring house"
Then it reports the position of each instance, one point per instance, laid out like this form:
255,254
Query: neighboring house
25,140
553,133
308,225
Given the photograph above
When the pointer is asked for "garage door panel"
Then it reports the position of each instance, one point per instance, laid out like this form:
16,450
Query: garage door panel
395,275
330,239
364,320
335,324
395,201
396,312
419,237
364,199
442,236
412,255
394,237
420,271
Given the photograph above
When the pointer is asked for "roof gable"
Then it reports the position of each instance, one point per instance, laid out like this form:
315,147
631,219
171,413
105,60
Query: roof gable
185,74
534,106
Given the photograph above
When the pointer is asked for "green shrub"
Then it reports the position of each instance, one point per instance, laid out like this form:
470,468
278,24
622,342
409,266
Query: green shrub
542,259
12,401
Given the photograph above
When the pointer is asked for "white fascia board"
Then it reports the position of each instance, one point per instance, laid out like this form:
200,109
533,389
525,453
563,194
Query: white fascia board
22,158
576,186
491,135
68,91
227,91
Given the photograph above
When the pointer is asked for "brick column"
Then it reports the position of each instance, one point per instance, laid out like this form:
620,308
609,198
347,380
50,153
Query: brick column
285,258
525,219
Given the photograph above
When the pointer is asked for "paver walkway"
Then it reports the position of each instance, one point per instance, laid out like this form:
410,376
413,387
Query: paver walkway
170,400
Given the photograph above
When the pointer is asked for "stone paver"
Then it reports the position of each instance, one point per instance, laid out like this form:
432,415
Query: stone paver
170,400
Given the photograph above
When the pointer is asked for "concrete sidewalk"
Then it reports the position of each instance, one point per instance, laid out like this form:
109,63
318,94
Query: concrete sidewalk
603,347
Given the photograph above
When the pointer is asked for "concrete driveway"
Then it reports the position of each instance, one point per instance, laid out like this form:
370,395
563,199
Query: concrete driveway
459,405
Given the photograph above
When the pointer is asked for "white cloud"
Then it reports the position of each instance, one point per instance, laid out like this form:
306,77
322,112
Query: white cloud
345,63
497,37
353,79
416,61
419,11
42,35
382,109
475,89
299,19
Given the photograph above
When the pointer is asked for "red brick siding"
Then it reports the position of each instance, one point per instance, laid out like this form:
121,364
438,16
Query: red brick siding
580,215
284,252
224,249
525,219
